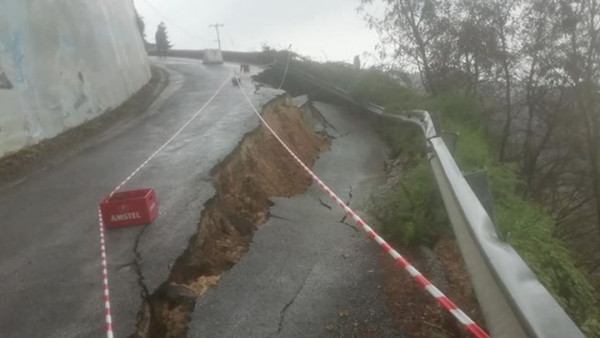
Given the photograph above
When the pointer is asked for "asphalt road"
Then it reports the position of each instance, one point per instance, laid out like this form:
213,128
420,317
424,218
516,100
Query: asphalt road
306,274
49,245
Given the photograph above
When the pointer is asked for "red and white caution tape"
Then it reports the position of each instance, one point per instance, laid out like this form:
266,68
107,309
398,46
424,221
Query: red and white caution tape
106,292
471,326
171,138
107,314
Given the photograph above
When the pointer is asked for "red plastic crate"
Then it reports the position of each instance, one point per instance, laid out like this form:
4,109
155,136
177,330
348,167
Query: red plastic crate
127,208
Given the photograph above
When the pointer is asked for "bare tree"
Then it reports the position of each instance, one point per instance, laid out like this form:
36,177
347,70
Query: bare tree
413,28
581,24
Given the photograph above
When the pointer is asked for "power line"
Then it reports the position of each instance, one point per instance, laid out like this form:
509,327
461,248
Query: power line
216,26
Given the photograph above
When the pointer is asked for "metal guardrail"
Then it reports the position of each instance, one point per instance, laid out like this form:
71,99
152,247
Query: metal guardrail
513,301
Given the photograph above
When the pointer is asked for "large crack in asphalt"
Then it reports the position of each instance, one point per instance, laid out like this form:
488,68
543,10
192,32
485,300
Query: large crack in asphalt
141,280
317,114
323,204
343,220
291,301
259,168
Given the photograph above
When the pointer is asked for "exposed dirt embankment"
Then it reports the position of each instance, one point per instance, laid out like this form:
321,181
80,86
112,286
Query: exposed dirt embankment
414,310
259,168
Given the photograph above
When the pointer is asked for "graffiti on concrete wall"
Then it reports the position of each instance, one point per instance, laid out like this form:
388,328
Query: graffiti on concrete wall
67,63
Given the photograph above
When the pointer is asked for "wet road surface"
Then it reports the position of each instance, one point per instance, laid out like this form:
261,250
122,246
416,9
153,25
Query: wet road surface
49,246
306,274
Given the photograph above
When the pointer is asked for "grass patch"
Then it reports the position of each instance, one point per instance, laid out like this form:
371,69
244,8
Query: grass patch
410,212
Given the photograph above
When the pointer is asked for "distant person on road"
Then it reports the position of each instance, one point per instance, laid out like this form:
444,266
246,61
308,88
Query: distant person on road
235,80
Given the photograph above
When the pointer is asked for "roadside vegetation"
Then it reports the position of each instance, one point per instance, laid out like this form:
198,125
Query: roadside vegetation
519,80
411,212
532,70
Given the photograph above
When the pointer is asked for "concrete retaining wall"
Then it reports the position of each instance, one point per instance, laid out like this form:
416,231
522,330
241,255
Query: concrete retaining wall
68,61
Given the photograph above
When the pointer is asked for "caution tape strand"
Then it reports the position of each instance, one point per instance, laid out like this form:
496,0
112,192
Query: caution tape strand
106,292
442,299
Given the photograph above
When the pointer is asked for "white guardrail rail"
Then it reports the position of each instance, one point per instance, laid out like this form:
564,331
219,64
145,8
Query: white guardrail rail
513,301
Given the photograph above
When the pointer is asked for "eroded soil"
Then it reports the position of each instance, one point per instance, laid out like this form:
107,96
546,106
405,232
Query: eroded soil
259,168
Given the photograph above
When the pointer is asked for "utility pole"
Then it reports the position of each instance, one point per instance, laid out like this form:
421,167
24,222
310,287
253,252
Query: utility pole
216,26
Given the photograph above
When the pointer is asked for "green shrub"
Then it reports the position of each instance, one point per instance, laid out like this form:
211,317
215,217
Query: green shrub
529,230
374,86
410,212
404,139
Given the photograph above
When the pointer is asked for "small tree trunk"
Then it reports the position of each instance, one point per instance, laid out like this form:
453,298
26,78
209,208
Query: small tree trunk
507,79
529,161
409,13
506,130
595,173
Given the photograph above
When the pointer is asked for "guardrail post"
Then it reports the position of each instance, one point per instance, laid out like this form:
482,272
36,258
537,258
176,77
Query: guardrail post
478,181
451,139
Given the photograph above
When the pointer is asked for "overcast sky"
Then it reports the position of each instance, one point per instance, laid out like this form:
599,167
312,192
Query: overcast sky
321,29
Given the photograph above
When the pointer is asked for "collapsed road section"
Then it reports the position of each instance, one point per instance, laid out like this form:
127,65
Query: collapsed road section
307,273
258,169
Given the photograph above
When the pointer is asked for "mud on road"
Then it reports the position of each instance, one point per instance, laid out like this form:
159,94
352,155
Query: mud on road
259,168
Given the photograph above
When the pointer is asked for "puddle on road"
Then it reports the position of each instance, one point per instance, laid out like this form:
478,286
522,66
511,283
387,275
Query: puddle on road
259,168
